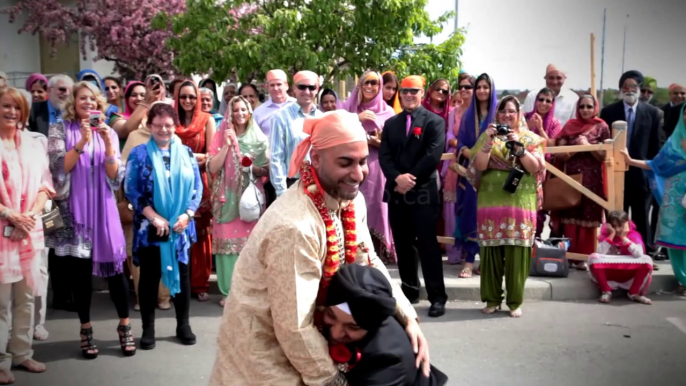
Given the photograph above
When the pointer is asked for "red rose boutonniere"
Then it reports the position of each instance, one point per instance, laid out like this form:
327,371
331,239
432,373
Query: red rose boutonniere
246,163
417,131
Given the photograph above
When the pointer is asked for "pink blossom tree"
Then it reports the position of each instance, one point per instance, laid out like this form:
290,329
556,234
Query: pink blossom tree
120,31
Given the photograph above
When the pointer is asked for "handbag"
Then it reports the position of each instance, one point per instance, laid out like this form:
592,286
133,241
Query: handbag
251,203
559,195
549,258
52,219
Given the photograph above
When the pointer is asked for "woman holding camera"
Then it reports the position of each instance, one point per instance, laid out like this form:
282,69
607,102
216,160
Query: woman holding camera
164,187
86,171
581,223
506,169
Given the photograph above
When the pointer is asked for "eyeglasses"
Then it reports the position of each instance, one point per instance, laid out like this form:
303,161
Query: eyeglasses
442,91
63,89
371,82
558,78
647,91
466,87
542,100
411,91
189,97
303,87
510,112
586,107
160,127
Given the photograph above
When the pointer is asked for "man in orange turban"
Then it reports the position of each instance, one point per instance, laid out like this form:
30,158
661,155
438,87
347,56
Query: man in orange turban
411,147
270,330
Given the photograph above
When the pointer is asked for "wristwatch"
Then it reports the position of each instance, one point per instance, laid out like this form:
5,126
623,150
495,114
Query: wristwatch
190,214
78,151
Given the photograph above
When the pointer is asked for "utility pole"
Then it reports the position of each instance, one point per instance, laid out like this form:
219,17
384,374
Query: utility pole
624,48
602,61
457,2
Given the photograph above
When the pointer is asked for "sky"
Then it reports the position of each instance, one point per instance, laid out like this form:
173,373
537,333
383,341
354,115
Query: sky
514,41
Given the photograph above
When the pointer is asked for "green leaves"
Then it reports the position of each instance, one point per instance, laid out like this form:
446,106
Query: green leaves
330,37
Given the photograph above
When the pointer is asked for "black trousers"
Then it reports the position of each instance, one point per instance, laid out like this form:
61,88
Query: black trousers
639,201
414,234
77,274
148,286
654,219
59,282
269,193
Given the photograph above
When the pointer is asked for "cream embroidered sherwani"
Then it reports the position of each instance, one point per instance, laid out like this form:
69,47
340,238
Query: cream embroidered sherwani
267,336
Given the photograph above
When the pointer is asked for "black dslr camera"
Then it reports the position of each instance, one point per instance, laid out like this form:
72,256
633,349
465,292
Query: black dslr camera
503,130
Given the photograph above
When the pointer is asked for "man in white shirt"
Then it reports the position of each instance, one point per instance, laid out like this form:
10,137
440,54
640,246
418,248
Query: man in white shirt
287,129
277,81
565,98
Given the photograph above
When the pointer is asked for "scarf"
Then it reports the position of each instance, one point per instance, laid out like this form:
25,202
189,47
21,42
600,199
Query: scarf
84,73
633,235
213,87
231,181
547,118
170,198
395,100
33,78
377,105
339,105
670,161
470,127
192,136
128,109
445,113
578,125
93,205
21,199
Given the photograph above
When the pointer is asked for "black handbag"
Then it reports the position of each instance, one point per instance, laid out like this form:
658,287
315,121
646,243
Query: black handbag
549,258
52,220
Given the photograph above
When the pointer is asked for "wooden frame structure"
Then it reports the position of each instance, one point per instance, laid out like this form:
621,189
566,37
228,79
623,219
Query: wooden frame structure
614,164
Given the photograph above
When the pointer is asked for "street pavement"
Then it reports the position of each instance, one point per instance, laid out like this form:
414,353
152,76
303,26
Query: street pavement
554,343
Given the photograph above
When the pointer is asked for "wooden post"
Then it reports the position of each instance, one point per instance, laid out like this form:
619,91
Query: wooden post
593,66
620,166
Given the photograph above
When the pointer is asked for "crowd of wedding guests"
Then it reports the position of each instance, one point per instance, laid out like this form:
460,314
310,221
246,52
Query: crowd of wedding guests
145,181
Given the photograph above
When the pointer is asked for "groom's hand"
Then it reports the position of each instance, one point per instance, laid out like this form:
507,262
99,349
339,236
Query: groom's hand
419,345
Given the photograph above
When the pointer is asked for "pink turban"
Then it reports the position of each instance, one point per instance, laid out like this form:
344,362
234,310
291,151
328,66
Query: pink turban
276,75
327,130
33,78
308,76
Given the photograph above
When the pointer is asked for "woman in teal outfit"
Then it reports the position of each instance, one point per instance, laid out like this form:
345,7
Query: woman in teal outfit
667,174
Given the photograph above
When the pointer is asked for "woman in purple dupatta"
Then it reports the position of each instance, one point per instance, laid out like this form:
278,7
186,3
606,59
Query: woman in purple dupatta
87,170
367,102
475,120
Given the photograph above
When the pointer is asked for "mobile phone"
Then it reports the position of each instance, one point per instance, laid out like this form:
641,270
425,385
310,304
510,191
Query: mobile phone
94,119
7,232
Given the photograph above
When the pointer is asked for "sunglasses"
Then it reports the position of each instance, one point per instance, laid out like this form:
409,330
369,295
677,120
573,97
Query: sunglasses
586,107
442,91
189,97
63,89
645,90
545,100
303,87
411,91
371,82
466,87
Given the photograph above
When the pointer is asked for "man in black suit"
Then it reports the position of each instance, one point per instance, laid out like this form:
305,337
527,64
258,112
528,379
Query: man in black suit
643,142
44,114
677,96
411,146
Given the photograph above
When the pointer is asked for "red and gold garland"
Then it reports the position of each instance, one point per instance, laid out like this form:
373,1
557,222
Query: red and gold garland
314,190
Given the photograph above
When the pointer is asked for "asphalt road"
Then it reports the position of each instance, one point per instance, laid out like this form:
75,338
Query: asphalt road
560,343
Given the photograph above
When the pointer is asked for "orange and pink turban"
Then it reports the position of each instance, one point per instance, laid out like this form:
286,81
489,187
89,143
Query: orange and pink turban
327,130
413,81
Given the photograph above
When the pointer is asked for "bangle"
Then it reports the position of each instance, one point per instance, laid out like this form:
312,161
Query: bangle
78,151
111,159
5,214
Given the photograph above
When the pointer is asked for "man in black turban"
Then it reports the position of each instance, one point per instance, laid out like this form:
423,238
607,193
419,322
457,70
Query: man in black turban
643,143
366,340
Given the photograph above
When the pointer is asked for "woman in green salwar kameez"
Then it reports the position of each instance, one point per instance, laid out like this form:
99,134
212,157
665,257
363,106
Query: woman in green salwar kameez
506,222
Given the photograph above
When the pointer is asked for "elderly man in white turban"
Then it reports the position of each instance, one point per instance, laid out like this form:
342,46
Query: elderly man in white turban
270,334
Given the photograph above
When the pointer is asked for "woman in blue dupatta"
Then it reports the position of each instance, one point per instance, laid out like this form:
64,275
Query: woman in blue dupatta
164,187
667,174
475,121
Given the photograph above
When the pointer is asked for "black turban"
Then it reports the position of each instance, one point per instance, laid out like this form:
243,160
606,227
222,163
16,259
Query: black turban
366,291
632,74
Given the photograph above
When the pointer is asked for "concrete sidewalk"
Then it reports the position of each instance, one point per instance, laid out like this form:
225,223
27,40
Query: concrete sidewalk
577,286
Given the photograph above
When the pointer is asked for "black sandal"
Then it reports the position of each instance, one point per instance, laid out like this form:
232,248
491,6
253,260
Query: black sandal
88,349
126,340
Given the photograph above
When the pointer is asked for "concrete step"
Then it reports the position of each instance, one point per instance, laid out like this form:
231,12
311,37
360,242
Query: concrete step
577,286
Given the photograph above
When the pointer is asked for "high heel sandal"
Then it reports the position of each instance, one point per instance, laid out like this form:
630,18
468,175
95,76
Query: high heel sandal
126,340
88,349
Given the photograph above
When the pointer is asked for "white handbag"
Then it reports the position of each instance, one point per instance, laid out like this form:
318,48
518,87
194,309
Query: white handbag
251,203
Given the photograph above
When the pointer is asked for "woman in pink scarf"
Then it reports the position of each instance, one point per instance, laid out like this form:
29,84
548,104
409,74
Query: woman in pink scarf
621,261
37,85
367,102
238,140
25,186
